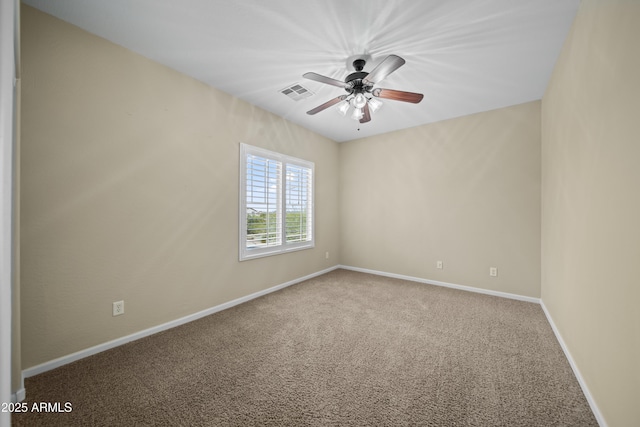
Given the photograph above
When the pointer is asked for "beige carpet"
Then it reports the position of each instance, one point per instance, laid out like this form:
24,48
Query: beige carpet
342,349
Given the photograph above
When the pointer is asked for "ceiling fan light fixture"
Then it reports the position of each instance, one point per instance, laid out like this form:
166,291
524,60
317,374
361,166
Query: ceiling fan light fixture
374,105
343,107
357,114
359,101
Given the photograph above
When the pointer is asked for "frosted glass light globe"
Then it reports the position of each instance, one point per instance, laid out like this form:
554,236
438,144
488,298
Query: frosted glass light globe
359,101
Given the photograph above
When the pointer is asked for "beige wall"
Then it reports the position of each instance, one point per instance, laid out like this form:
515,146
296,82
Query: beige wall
130,192
465,191
591,203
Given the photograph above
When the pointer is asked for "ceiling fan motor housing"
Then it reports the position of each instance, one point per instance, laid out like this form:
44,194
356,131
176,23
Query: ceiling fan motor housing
355,79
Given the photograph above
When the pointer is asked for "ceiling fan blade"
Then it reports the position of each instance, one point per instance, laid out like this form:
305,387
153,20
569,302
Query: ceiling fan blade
398,95
386,67
323,79
366,114
327,104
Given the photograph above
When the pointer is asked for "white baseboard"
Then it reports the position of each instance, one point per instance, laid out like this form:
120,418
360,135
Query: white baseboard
64,360
574,367
445,284
19,395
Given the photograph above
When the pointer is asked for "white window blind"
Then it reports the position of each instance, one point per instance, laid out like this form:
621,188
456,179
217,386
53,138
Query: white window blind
299,219
263,202
276,203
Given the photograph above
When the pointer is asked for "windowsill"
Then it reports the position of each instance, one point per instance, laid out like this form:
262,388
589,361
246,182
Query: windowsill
249,255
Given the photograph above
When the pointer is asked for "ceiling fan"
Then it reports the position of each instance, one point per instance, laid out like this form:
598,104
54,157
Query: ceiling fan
359,85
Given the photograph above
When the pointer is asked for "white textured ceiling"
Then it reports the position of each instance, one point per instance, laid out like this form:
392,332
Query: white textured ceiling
465,56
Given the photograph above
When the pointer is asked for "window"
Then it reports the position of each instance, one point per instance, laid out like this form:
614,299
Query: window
276,203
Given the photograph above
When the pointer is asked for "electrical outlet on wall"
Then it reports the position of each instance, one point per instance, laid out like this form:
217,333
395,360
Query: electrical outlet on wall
326,255
493,271
118,308
439,264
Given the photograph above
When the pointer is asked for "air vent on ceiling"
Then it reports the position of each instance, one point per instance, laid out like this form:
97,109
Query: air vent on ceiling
296,92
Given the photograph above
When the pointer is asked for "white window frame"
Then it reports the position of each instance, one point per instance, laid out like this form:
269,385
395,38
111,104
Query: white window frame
282,246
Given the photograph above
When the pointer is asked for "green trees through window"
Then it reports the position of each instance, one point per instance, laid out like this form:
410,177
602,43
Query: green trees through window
262,227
